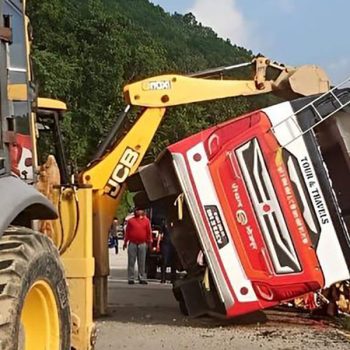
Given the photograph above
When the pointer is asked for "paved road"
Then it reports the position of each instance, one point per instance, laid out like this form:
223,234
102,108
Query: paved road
147,317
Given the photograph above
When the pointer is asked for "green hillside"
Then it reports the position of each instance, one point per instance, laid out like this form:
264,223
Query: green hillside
85,51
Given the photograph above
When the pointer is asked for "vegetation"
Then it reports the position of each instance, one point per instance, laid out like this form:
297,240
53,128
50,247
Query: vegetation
84,52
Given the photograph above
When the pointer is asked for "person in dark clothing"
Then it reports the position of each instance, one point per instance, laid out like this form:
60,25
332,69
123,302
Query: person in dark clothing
138,236
168,253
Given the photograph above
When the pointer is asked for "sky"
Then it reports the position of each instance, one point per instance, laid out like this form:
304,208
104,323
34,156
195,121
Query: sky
293,32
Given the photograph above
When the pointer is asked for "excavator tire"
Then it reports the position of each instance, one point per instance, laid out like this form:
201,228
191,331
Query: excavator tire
34,304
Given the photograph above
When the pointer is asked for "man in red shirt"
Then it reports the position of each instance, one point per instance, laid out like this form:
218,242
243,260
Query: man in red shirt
139,235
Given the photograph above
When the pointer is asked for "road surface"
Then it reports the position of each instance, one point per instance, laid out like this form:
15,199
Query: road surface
147,317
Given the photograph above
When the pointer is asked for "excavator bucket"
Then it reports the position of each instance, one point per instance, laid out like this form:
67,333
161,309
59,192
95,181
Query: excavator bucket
307,79
304,81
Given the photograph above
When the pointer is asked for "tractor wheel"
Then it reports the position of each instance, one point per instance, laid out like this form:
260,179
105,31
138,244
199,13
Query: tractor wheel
34,305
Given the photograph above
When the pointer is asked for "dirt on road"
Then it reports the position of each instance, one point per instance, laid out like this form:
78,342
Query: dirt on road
147,317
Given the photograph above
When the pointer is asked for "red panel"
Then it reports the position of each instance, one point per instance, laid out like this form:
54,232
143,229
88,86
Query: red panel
240,215
23,142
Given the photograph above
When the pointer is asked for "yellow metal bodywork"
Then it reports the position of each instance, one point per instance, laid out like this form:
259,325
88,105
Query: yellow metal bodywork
73,236
17,92
92,207
51,104
98,175
40,327
172,90
71,233
138,138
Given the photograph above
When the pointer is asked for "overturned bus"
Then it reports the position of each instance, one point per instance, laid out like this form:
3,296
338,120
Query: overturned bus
262,210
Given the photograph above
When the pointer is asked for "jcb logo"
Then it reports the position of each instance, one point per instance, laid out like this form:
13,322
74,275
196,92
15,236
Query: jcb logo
159,85
121,172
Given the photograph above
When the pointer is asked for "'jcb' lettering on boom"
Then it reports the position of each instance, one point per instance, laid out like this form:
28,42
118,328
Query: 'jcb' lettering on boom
121,172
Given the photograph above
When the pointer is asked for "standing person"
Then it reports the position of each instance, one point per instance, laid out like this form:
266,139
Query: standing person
113,232
139,235
168,253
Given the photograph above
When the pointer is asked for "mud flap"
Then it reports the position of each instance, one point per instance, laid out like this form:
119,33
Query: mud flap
21,203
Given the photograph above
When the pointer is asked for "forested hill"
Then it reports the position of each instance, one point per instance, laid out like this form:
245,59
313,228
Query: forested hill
86,50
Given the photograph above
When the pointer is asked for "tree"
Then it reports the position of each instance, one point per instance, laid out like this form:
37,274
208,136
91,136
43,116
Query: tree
84,52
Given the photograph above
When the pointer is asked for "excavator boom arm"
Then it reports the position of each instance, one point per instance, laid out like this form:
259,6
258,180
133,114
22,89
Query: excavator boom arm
108,175
173,89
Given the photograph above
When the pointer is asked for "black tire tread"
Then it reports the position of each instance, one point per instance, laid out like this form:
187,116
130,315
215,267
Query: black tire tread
18,247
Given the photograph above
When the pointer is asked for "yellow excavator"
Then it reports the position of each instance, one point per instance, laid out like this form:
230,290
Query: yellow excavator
154,95
54,226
